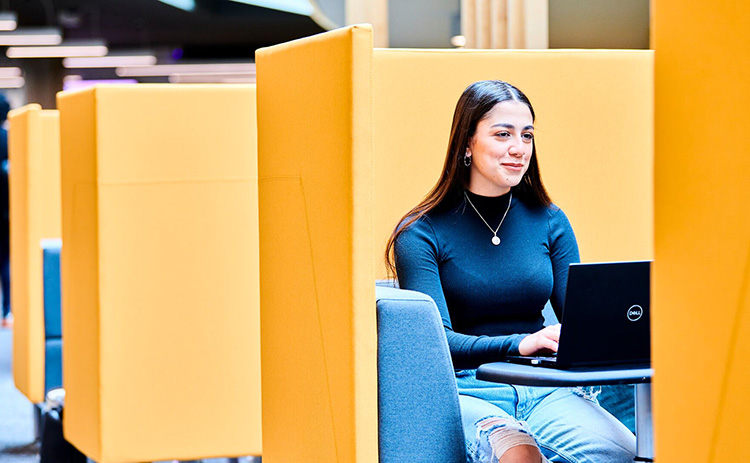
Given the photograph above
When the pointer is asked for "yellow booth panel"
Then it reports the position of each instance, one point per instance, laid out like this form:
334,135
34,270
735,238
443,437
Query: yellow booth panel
317,286
701,296
373,141
160,272
593,129
34,187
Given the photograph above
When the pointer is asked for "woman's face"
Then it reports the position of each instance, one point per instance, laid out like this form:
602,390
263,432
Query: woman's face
501,149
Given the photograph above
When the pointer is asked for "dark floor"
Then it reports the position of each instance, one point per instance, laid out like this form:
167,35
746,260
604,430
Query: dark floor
16,412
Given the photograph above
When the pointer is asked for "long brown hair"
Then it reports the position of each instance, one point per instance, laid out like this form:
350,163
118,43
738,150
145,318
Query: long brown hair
475,102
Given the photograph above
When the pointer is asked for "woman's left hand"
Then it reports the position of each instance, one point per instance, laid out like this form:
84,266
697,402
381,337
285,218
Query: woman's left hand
543,341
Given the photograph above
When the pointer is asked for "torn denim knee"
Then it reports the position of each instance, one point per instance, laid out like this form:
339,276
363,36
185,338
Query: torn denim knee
587,392
495,436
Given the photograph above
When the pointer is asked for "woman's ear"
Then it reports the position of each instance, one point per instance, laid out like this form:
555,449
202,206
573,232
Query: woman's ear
469,144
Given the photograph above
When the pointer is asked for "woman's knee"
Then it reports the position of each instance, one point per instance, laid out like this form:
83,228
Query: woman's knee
572,429
504,440
521,454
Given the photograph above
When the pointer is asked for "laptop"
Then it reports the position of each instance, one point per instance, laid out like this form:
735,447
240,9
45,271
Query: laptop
606,321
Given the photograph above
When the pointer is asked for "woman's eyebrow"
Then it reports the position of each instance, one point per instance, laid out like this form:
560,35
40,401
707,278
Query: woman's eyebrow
511,126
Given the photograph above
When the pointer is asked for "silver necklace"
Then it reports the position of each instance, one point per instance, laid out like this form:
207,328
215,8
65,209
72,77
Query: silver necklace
495,238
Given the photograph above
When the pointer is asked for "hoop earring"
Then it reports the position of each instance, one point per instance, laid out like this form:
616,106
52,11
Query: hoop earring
467,160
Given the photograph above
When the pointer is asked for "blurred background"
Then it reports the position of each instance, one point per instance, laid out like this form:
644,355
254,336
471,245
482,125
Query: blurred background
50,45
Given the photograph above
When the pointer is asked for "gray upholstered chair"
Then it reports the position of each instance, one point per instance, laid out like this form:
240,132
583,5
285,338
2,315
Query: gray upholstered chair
52,314
418,402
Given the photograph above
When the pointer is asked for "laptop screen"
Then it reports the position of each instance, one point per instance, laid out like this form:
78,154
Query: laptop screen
606,319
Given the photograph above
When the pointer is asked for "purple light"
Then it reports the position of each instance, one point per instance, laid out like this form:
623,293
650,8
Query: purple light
177,54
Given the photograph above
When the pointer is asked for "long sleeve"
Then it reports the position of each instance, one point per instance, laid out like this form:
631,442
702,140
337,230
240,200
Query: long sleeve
418,259
563,251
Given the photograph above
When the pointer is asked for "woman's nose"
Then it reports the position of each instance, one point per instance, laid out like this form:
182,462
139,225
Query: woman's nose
516,150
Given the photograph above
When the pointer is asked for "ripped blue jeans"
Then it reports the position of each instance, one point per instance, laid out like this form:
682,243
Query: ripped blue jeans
567,425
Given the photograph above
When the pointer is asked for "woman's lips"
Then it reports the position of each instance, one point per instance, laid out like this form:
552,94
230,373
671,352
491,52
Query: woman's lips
513,166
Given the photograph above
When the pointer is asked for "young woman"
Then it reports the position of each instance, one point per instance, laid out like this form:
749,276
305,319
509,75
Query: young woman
491,249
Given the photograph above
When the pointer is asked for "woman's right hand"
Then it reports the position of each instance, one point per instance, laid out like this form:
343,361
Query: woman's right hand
543,341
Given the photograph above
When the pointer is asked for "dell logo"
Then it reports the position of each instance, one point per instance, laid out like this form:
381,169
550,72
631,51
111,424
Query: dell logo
635,313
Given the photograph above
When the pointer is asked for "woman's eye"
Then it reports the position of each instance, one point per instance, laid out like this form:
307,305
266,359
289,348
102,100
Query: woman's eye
503,134
528,136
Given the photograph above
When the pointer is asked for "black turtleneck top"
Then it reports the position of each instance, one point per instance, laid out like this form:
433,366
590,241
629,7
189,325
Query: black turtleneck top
490,297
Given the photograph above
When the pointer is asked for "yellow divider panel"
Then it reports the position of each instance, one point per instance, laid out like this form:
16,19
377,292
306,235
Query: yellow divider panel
34,154
160,272
317,287
594,134
350,138
701,299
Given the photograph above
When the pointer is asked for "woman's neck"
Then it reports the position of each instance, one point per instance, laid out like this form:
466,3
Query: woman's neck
488,192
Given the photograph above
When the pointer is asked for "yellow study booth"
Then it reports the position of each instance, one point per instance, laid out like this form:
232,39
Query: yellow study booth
350,138
701,272
160,272
34,187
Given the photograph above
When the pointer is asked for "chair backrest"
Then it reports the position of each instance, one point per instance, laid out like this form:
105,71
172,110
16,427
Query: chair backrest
52,313
418,409
51,287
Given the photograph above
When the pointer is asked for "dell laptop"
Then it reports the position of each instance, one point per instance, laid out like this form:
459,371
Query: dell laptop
606,319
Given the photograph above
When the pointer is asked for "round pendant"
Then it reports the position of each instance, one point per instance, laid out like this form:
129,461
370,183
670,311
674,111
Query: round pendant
495,240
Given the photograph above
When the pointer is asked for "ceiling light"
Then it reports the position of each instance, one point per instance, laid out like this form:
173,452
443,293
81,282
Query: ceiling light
187,5
10,72
32,36
75,84
302,7
201,78
169,69
88,48
8,21
12,82
110,61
